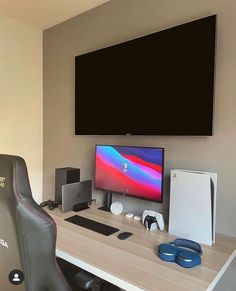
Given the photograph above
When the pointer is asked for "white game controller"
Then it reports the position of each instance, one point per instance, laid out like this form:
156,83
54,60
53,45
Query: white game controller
153,220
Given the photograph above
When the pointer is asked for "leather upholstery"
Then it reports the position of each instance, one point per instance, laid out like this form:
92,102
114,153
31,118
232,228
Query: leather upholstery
29,231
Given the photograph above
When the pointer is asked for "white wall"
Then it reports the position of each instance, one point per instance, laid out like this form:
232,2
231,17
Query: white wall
117,21
21,99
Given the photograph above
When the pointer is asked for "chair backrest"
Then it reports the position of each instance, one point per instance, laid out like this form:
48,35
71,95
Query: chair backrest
27,233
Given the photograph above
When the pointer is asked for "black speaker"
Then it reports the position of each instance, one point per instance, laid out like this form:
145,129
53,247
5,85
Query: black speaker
65,176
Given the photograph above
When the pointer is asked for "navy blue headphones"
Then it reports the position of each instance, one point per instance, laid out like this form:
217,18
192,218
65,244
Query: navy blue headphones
178,252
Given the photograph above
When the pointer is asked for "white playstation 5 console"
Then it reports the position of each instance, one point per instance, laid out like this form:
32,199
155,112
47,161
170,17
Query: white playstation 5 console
193,205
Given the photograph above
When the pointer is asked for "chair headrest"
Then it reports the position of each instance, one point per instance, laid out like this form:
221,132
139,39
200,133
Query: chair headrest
14,177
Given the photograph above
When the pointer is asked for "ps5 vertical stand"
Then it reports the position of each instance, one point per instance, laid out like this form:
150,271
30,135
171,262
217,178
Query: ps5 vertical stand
193,205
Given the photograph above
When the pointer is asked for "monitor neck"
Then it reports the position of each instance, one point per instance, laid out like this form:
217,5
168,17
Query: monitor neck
107,203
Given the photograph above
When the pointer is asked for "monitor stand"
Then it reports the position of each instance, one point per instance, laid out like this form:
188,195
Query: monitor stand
108,202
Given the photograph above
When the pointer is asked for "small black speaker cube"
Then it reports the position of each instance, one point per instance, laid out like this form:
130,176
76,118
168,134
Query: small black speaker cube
65,176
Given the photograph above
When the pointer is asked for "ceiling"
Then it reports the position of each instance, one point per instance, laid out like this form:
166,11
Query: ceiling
46,13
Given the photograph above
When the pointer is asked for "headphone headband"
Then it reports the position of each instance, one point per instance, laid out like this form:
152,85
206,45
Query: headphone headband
185,243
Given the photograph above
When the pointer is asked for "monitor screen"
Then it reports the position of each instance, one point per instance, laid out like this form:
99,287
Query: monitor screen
130,170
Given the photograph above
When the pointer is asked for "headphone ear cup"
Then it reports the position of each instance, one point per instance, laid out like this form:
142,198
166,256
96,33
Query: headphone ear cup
188,259
167,253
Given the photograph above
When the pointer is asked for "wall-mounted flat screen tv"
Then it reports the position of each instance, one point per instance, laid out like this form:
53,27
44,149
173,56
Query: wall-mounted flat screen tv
158,84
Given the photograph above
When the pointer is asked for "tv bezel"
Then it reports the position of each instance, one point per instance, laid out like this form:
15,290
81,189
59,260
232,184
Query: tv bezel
130,195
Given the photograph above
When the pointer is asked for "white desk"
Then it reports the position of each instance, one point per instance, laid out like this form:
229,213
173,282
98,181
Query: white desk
132,264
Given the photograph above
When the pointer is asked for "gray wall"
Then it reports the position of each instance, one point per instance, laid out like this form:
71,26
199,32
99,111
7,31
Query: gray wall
121,20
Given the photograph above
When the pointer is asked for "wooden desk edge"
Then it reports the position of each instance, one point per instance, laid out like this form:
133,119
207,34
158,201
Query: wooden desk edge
97,272
221,272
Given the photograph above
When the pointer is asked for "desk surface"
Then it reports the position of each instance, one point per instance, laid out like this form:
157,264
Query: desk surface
134,260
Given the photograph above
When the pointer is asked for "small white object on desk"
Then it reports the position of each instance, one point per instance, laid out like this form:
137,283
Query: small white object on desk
116,208
137,217
129,215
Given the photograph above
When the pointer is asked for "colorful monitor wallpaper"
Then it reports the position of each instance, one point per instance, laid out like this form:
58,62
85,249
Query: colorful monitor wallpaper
128,170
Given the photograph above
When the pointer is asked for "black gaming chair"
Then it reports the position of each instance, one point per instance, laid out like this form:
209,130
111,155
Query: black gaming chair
28,237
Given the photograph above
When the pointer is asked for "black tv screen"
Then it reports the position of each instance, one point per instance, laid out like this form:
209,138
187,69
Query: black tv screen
158,84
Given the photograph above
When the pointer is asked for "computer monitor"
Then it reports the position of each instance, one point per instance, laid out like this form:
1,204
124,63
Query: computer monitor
130,170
